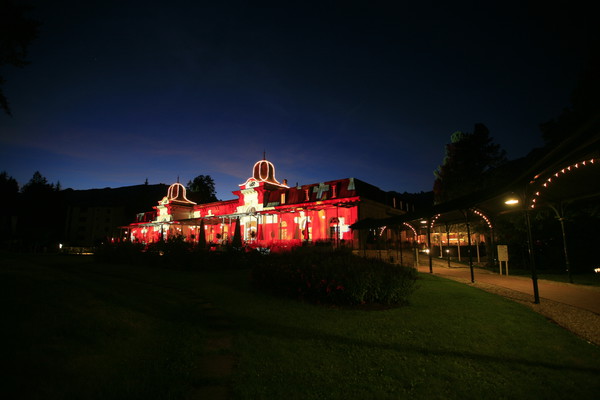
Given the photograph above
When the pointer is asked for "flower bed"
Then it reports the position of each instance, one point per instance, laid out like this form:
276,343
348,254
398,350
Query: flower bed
333,277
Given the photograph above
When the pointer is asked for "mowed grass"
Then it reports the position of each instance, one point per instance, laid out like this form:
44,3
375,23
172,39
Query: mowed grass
73,328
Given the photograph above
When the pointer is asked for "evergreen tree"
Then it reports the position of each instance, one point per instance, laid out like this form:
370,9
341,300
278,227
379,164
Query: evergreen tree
9,192
37,185
583,117
41,218
202,189
8,186
468,157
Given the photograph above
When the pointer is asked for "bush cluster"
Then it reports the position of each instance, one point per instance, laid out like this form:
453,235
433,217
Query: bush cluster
334,277
315,273
126,252
175,254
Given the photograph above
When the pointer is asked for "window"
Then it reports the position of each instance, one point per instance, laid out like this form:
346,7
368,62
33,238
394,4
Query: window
334,228
284,234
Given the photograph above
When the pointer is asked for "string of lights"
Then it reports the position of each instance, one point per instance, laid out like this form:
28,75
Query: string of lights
558,174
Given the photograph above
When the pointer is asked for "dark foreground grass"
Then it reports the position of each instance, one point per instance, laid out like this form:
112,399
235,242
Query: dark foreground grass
73,328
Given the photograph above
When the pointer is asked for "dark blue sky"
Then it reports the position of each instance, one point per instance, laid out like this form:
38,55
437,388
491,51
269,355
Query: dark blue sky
121,91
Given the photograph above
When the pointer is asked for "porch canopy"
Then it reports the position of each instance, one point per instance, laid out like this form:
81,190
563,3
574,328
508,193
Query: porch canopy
564,174
567,173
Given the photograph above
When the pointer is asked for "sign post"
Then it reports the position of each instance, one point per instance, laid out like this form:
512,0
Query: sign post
503,256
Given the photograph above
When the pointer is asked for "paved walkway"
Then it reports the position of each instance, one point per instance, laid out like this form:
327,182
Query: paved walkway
580,296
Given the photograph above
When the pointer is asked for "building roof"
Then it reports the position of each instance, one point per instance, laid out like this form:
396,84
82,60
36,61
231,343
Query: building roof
137,196
330,190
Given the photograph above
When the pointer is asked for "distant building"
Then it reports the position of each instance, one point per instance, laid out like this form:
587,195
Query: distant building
271,214
94,216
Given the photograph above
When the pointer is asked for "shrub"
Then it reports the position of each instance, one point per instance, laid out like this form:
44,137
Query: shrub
126,252
333,277
175,253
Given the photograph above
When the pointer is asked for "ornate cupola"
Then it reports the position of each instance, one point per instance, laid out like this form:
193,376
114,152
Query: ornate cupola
263,172
252,193
174,205
177,194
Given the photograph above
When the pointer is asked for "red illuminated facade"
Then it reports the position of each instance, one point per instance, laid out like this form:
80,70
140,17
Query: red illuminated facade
271,214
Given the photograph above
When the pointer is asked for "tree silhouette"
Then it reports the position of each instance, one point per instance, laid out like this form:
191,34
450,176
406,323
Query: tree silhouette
41,214
237,235
583,117
8,186
37,185
16,33
202,189
9,192
468,157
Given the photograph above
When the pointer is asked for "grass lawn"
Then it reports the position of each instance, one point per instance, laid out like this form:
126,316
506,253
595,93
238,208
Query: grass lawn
74,328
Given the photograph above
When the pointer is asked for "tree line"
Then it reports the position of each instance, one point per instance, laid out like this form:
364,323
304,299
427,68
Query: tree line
35,217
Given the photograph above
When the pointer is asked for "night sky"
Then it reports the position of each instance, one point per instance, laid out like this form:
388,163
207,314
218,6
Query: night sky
121,91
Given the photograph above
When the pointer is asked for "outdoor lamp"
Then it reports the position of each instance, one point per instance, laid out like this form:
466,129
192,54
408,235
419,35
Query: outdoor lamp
514,200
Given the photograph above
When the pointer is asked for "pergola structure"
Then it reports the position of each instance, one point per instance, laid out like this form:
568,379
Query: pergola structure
556,178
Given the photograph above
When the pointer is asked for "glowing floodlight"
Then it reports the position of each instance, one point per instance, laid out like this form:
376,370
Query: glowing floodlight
511,201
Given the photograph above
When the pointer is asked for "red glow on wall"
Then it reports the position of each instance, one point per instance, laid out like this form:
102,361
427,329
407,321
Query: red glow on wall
272,215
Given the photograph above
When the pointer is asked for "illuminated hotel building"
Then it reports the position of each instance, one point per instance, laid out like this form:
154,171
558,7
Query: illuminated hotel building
271,214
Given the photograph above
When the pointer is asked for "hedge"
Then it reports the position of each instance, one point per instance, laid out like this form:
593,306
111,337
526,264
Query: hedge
339,278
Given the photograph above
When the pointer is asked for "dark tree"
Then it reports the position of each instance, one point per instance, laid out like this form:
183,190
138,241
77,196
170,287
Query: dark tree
579,32
16,34
237,235
40,215
9,192
583,117
37,185
202,236
202,189
8,186
468,157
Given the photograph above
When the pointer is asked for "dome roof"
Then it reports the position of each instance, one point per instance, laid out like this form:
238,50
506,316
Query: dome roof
176,193
264,171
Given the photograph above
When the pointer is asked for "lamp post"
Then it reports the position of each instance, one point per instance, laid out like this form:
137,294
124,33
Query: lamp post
559,210
513,201
448,243
428,225
468,223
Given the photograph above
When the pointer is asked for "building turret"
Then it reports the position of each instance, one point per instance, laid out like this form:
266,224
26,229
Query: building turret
177,194
263,173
